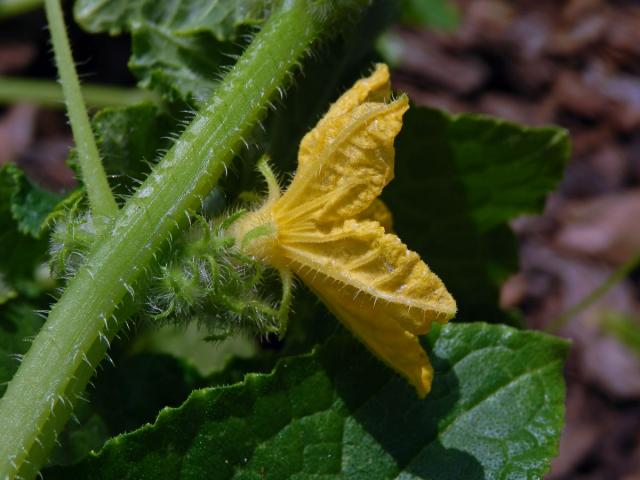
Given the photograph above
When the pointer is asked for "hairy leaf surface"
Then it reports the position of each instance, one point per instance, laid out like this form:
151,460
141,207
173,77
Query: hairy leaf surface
495,411
178,47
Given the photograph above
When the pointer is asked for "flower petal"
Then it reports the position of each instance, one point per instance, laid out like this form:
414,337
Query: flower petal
378,212
353,163
374,88
377,328
373,263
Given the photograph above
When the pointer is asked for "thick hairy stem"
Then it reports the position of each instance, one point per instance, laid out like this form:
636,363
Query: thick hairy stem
75,337
100,196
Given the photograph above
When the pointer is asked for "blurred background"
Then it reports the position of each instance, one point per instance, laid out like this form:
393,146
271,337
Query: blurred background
575,63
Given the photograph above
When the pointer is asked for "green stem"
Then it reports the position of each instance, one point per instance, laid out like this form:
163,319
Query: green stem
94,178
618,275
10,8
49,94
40,397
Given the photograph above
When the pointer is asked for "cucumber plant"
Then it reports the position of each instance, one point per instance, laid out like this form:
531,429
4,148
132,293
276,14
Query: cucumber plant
162,231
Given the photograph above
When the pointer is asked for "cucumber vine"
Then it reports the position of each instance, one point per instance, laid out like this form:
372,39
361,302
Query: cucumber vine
94,305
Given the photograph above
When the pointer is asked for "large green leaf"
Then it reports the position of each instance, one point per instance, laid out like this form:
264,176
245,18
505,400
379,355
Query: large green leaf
495,411
178,47
459,180
22,253
219,17
125,395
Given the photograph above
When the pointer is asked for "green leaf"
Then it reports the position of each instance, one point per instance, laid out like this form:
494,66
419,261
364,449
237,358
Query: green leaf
22,253
220,18
138,387
178,48
495,411
6,292
437,14
30,203
130,140
459,180
126,395
179,67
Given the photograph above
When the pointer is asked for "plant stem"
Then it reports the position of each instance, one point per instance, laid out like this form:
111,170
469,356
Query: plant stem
40,397
616,276
94,178
49,94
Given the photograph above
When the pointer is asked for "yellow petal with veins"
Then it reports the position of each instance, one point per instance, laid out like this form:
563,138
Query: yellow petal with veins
375,88
327,229
352,162
378,330
378,288
378,212
364,257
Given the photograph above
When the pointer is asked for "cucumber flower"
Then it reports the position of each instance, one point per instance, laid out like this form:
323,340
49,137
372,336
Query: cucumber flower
328,229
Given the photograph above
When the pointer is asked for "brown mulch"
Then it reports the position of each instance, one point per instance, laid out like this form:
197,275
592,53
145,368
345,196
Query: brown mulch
575,63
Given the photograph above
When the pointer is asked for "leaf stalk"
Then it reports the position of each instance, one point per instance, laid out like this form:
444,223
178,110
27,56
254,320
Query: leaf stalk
101,198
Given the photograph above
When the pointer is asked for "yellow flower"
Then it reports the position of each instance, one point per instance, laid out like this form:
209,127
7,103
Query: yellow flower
326,228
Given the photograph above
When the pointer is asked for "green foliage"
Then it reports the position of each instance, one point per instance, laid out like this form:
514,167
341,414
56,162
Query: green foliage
133,391
178,48
496,411
459,180
18,324
496,408
29,204
25,209
6,292
125,394
438,14
130,140
220,18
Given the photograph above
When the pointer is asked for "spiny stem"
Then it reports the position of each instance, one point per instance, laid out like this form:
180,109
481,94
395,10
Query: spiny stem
100,196
616,276
49,94
39,398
